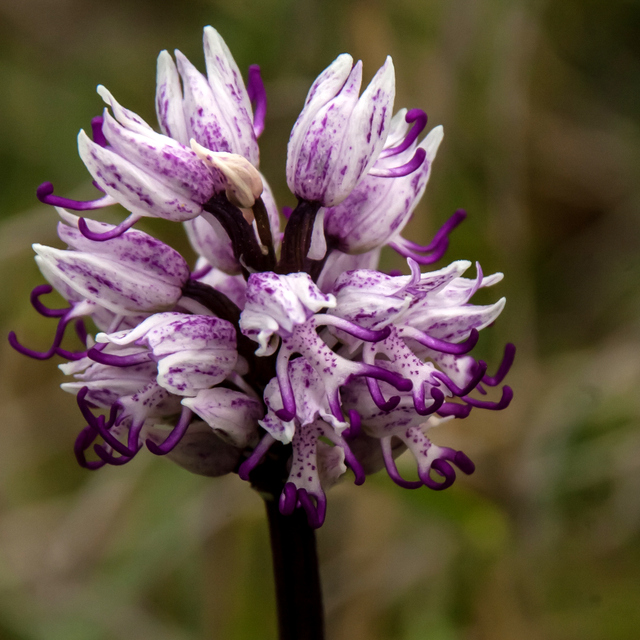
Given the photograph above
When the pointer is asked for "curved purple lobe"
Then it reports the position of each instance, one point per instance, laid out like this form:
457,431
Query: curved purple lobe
53,349
44,193
420,406
118,361
419,118
107,235
174,437
392,470
96,131
464,463
355,428
83,442
503,369
288,499
378,398
258,96
403,170
442,346
443,468
455,410
470,386
256,456
40,290
315,514
442,234
503,403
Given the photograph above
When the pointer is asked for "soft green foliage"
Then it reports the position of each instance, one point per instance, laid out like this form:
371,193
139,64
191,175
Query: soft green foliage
540,107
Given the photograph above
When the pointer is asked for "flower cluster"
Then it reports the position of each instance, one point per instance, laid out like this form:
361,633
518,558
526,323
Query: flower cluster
280,353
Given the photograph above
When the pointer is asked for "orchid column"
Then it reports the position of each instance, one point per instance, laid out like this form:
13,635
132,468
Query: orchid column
284,357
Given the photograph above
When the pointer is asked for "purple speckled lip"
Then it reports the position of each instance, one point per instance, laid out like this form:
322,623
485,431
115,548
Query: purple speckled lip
283,355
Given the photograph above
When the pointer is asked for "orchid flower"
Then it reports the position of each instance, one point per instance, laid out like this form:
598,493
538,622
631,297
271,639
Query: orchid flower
287,357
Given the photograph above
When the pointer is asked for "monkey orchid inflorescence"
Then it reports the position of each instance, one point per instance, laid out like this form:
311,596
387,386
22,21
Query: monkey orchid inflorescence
279,350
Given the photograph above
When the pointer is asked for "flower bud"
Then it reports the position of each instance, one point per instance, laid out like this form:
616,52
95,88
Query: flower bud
338,137
130,274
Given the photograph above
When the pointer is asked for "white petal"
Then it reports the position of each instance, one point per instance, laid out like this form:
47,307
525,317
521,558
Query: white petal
125,117
169,100
136,190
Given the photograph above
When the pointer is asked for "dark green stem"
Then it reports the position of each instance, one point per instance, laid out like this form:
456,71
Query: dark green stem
297,238
295,566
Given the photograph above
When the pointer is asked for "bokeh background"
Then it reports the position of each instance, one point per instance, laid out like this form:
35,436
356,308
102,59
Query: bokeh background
541,107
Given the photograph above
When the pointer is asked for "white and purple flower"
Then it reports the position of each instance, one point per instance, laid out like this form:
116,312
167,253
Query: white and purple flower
288,358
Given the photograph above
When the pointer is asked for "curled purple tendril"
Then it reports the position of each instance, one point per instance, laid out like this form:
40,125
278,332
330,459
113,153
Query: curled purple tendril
174,437
117,231
419,118
353,463
335,406
288,411
392,469
81,331
442,466
96,131
503,369
454,409
436,248
355,425
442,233
256,456
288,499
52,350
97,425
65,317
376,395
101,426
503,403
128,452
258,96
83,442
444,469
420,405
44,193
201,273
108,457
118,361
368,335
316,513
292,497
403,170
40,290
378,373
481,368
458,348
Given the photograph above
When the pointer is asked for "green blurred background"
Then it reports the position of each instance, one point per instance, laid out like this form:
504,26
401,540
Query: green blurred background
541,107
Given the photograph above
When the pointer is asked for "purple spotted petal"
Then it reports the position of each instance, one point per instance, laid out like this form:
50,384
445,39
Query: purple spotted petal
229,90
365,135
108,283
378,209
169,162
134,189
133,250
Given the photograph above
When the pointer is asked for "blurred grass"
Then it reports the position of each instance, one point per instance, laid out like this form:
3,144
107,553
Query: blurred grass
541,111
